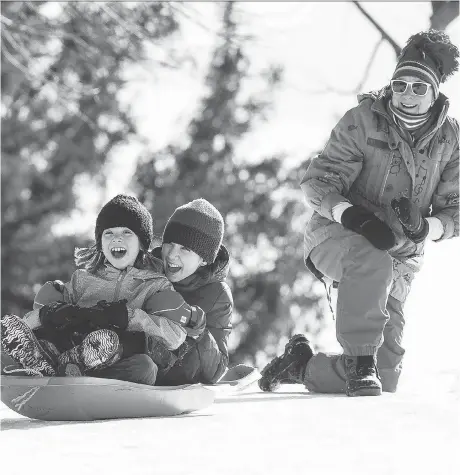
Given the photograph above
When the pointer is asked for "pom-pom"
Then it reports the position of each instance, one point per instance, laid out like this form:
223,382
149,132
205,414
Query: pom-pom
438,47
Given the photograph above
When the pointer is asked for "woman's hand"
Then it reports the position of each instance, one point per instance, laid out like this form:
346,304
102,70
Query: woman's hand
414,225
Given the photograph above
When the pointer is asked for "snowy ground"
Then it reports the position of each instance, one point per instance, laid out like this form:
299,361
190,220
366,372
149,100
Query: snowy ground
288,432
416,431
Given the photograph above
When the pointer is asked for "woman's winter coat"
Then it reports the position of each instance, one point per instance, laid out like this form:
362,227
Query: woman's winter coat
368,162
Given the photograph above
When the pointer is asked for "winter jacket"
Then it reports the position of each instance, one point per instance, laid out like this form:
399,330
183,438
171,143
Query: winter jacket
207,361
153,305
367,162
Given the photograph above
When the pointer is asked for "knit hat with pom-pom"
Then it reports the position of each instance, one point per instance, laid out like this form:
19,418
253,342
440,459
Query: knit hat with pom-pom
429,56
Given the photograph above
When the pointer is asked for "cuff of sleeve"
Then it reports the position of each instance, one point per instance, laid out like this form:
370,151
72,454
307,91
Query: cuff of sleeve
329,202
435,229
338,210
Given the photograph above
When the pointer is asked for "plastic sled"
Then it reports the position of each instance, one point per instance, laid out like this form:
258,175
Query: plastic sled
87,398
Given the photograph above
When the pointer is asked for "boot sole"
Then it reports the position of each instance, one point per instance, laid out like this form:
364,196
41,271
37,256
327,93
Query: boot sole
19,342
269,383
365,392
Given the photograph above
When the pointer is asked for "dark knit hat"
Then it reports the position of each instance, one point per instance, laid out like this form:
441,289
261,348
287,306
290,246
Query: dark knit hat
197,225
429,56
125,211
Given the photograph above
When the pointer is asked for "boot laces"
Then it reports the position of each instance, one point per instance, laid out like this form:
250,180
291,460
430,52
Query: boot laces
365,366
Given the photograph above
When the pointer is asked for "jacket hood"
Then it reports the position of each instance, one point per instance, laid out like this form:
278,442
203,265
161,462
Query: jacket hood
215,272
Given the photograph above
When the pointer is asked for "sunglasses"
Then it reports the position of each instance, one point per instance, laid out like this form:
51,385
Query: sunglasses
398,86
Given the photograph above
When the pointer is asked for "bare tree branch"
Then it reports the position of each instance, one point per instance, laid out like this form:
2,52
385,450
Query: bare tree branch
444,13
384,34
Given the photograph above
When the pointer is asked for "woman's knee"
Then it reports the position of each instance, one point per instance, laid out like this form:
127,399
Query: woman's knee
370,260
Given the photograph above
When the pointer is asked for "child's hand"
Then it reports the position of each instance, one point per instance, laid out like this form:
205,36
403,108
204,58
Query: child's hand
108,314
59,315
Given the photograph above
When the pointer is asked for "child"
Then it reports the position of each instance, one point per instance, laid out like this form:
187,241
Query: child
121,291
197,264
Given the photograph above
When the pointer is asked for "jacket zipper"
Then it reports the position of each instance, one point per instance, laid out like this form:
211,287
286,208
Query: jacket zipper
117,287
382,190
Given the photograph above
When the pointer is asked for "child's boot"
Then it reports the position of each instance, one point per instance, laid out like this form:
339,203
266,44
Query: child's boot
20,343
98,350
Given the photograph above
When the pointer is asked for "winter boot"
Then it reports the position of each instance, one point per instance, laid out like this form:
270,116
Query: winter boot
98,350
20,343
289,367
362,376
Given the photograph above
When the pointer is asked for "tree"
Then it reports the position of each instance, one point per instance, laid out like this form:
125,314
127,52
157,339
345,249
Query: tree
62,67
443,14
261,202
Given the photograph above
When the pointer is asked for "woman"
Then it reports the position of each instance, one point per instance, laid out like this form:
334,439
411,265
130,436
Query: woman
386,181
197,264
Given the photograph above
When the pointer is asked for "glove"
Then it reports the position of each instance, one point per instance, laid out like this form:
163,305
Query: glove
60,315
361,221
184,349
414,225
160,355
139,343
111,315
197,322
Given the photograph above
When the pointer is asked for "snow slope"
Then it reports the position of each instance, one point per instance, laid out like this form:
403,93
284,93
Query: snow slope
289,431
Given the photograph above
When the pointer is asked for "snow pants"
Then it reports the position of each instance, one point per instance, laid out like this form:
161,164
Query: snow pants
369,321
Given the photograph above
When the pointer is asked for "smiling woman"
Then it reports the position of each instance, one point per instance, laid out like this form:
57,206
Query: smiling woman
385,183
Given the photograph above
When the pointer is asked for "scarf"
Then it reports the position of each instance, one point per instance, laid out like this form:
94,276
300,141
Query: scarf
406,121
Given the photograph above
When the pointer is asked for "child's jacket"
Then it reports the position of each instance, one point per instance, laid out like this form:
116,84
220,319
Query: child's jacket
153,305
207,361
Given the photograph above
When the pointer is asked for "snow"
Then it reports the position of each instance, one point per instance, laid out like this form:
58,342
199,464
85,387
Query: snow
289,431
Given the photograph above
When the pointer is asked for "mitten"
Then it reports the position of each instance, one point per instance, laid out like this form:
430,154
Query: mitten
361,221
60,315
414,225
111,315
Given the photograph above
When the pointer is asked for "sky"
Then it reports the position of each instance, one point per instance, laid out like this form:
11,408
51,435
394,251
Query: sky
322,47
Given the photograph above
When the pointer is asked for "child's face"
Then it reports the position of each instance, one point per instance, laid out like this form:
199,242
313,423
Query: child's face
179,261
120,246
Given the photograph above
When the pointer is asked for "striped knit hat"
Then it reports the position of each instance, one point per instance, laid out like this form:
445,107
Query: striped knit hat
197,225
429,56
125,211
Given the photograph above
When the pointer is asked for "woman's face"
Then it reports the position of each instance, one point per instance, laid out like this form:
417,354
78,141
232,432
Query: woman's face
120,246
410,102
179,261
